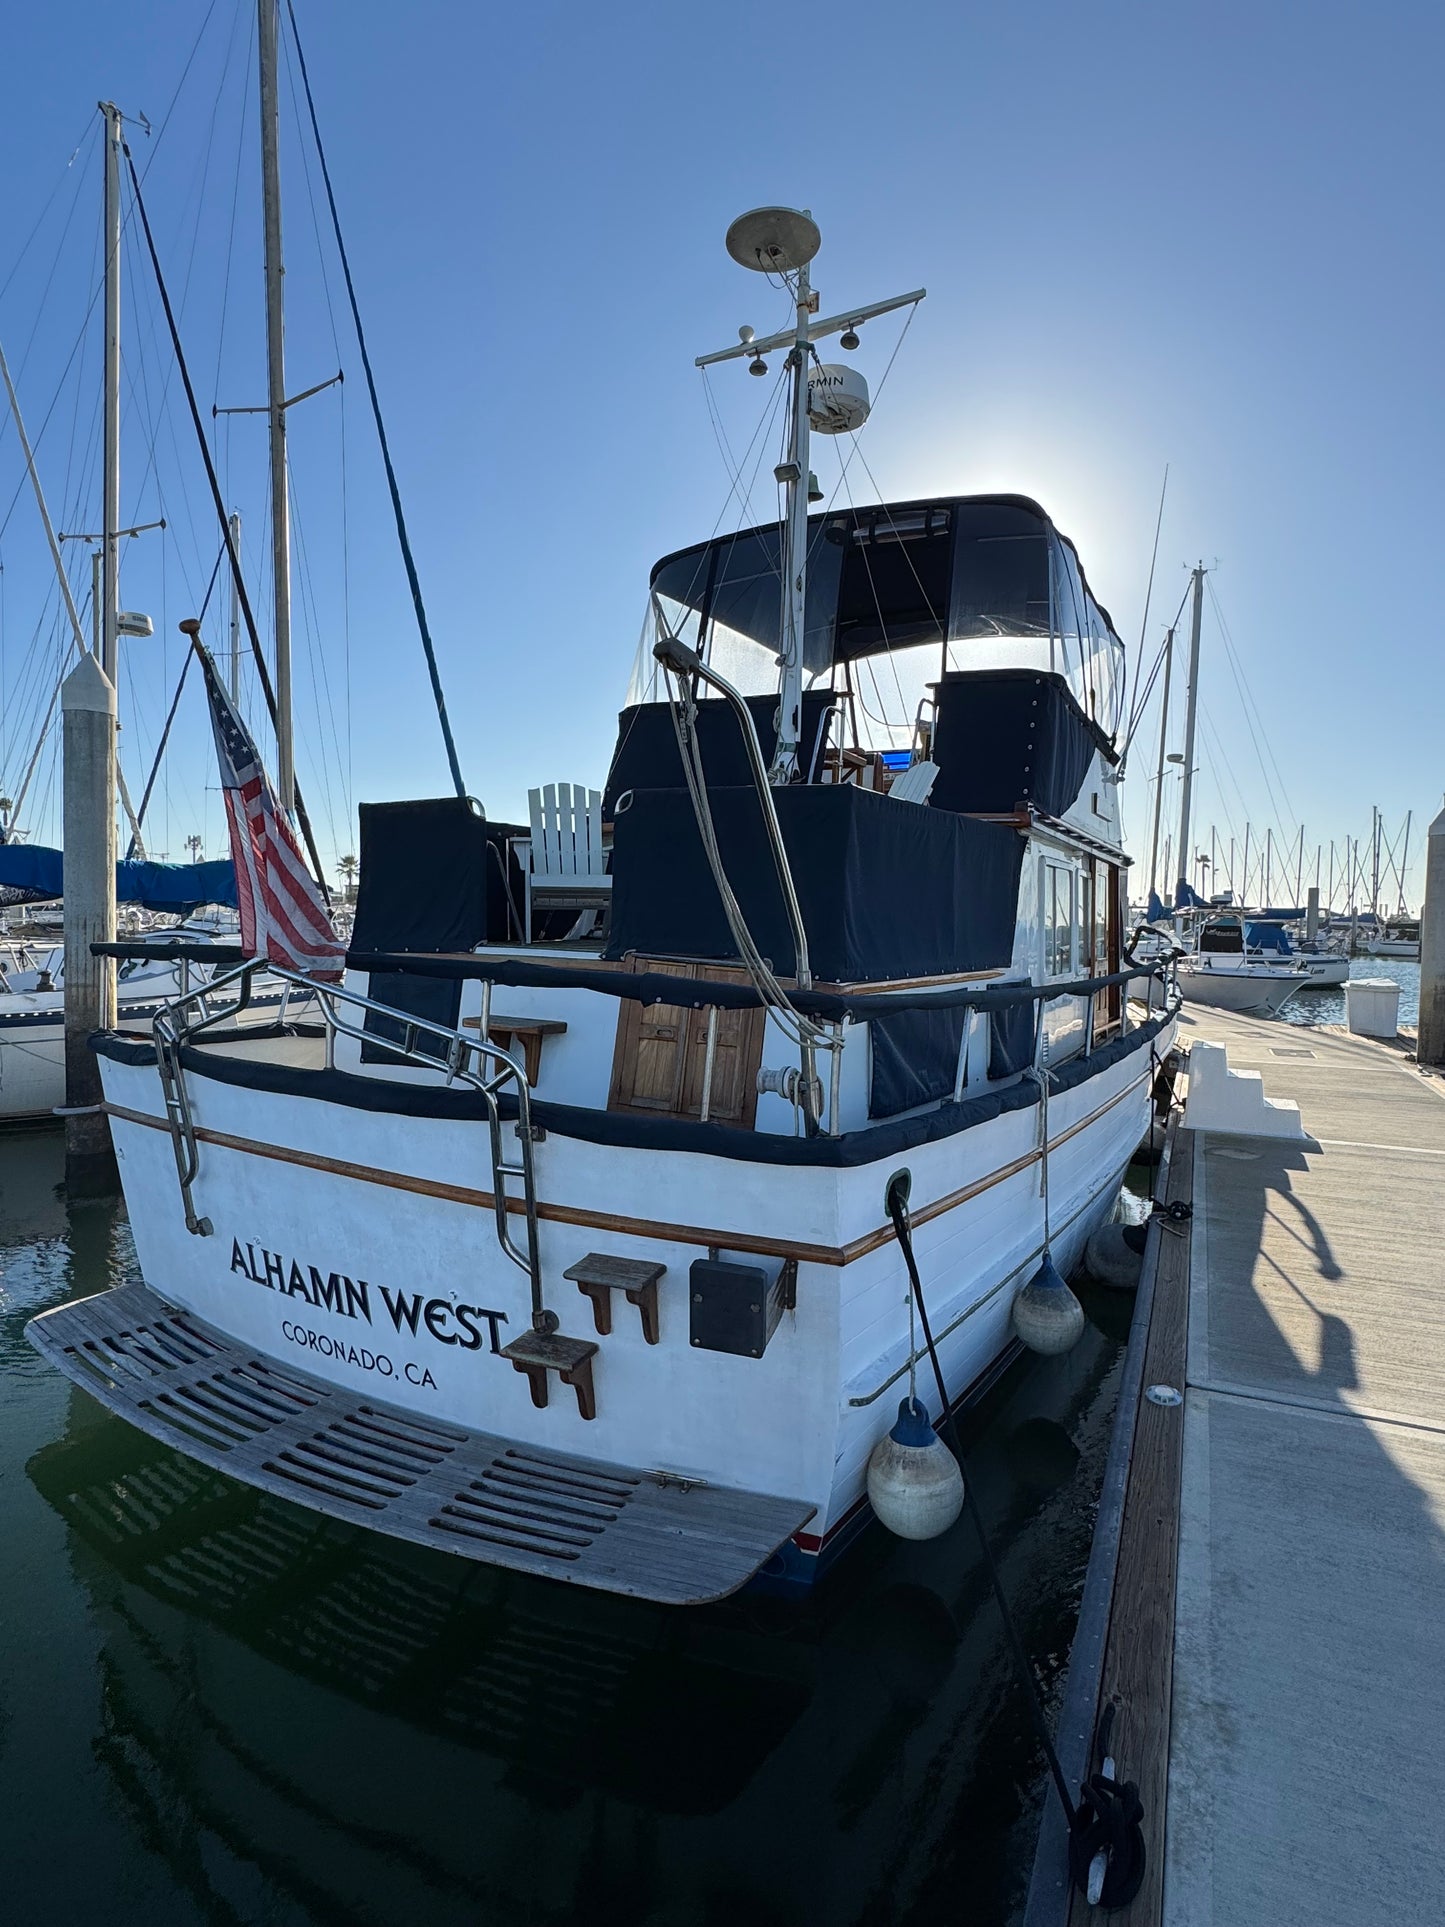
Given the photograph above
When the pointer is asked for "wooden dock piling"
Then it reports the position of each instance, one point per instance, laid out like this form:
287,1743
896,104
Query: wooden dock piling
87,702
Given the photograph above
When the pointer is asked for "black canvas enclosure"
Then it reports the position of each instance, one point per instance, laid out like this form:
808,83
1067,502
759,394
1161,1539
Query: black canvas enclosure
887,889
431,879
1009,736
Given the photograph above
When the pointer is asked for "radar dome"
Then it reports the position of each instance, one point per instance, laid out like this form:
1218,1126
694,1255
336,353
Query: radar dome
837,399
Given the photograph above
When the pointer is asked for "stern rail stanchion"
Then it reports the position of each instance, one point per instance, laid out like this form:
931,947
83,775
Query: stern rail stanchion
172,1031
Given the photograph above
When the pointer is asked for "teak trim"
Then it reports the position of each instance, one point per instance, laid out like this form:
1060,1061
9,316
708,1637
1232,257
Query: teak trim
685,1234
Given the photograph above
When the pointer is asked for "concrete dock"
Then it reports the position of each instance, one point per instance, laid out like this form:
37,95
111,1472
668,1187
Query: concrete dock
1269,1621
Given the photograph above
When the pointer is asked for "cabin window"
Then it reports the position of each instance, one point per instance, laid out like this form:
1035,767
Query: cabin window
1058,920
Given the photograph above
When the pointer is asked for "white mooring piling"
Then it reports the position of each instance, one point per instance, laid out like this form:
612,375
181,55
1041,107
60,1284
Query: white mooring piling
1430,1044
87,703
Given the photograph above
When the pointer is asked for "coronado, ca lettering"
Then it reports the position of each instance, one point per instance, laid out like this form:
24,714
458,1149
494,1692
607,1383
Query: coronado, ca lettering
409,1312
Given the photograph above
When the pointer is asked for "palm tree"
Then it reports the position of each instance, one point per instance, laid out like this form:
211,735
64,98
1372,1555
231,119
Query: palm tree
347,865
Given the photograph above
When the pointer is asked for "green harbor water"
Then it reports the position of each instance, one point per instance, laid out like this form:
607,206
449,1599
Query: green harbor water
216,1707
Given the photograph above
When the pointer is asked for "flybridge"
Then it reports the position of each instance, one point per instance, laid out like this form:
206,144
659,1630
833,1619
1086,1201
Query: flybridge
990,571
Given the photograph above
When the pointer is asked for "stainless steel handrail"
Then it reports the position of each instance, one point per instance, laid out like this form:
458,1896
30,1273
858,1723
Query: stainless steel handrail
171,1032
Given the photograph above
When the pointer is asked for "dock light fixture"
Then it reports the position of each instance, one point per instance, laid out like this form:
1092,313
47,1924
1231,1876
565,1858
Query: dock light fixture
849,338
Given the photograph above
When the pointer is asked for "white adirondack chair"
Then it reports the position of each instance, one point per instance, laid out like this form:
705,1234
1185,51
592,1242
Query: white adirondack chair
914,783
567,868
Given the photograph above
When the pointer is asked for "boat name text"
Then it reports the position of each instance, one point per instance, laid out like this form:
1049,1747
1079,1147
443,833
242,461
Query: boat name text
467,1326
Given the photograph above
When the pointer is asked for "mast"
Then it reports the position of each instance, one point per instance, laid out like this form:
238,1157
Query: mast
1159,773
782,241
795,551
1190,713
1244,873
1268,866
110,414
276,399
1404,860
235,675
1375,871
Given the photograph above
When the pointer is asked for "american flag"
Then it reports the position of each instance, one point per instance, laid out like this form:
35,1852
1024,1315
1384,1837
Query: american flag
282,915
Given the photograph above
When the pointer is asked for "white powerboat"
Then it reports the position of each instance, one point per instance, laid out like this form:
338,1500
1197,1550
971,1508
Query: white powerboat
1220,971
1266,940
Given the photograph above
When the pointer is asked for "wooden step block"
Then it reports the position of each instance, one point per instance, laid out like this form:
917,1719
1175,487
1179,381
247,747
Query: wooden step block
537,1353
597,1276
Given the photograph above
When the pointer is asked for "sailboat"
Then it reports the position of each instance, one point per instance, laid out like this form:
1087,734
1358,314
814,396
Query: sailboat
565,1245
1221,966
171,961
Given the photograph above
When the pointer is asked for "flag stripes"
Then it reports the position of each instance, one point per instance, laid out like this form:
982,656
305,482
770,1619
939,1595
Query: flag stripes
283,918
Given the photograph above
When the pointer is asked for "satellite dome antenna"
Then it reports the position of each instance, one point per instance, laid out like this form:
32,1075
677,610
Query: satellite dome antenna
774,240
783,241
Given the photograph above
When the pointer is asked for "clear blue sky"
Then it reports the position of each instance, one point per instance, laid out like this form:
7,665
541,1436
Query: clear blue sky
1205,237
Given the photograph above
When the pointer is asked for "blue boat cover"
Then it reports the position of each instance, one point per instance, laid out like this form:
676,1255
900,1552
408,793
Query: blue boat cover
1261,935
31,873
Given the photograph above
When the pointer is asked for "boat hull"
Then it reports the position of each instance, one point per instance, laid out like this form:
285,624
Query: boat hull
360,1246
32,1043
1324,973
1253,991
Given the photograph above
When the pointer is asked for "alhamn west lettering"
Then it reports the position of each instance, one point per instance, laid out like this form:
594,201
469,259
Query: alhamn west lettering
466,1326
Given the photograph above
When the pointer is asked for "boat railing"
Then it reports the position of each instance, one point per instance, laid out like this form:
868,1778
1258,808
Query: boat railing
476,1062
462,1056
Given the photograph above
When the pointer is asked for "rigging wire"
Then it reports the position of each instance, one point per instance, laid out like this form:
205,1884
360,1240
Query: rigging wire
231,244
1136,713
263,674
45,291
1149,590
160,133
1247,699
87,132
391,482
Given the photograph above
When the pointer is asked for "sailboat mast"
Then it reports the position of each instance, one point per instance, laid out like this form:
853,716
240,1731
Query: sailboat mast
235,676
1191,709
1159,773
1404,860
268,21
1375,862
110,415
795,550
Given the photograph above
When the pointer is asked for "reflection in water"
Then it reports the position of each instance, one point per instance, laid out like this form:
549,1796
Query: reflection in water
272,1716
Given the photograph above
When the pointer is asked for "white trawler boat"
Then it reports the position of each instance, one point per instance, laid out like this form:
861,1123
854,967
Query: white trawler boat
562,1243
